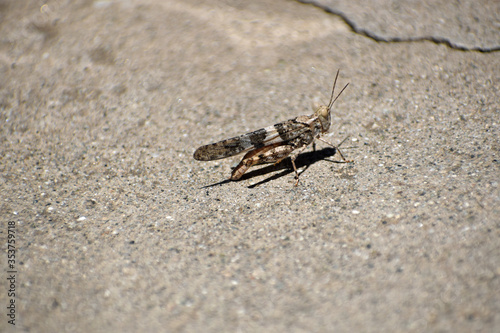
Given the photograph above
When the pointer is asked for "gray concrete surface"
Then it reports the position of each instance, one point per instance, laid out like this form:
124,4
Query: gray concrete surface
464,24
118,228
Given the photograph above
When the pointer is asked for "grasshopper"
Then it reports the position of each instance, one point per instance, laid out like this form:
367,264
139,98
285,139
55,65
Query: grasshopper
274,143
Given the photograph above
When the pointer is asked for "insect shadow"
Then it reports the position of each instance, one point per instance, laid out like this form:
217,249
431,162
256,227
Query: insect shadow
303,160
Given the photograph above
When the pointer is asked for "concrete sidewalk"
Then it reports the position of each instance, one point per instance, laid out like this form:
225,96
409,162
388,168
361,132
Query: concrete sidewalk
118,228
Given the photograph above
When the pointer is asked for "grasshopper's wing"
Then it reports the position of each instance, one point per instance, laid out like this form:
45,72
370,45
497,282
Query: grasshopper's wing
280,132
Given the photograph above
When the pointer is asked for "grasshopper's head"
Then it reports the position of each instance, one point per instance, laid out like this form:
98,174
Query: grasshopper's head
323,112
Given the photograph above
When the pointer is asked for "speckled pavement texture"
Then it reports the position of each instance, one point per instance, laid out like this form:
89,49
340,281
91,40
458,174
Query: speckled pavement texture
119,229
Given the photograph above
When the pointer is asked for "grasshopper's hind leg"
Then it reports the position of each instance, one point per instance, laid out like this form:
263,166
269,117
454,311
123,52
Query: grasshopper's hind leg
269,154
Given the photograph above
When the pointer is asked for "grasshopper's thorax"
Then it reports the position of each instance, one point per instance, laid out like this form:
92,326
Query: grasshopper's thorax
323,114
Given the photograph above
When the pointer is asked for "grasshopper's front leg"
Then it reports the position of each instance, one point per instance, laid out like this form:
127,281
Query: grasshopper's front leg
337,148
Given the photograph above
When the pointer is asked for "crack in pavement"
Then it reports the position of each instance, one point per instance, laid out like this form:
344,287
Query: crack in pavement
370,34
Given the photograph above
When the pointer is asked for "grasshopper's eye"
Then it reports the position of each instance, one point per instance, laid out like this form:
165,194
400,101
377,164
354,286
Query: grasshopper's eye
323,111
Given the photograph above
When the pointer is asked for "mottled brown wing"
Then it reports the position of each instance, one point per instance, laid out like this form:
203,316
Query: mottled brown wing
280,132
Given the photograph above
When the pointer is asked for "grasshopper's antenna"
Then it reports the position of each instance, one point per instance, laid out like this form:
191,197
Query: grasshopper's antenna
333,91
